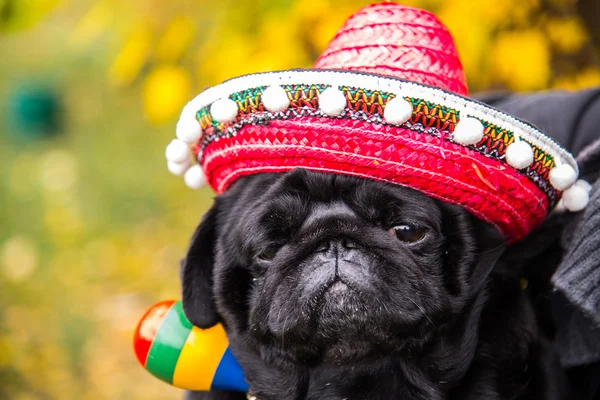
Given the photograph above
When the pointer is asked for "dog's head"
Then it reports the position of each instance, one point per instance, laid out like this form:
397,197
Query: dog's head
328,268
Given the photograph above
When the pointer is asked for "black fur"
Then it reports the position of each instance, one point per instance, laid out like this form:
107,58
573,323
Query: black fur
321,301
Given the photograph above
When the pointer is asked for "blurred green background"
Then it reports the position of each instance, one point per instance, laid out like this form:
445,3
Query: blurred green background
92,225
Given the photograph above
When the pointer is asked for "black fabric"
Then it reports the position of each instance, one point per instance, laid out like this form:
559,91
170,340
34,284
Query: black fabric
570,118
578,281
573,120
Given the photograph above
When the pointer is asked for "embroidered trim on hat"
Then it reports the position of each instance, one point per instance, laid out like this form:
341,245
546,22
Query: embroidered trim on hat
326,78
530,179
368,105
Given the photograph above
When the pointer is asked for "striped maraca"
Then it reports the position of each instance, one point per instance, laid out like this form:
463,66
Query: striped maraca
173,350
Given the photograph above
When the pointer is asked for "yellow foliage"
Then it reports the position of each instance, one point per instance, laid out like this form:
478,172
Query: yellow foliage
25,13
132,56
499,13
228,52
522,11
6,352
21,175
166,89
274,48
19,258
471,40
566,34
175,40
521,59
58,169
216,61
319,21
92,25
587,78
63,224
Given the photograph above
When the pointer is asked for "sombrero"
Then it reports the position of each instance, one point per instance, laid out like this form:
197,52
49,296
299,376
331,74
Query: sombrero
387,100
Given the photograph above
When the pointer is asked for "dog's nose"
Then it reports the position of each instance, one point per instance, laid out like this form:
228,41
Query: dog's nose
336,244
348,244
338,259
324,247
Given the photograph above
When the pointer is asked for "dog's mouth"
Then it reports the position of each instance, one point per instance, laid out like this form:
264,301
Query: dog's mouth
342,320
335,290
337,304
338,286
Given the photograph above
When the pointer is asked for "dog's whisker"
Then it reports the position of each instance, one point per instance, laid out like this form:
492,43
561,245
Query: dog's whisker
492,249
423,311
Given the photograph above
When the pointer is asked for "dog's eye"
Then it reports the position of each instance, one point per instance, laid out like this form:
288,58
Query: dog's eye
268,254
407,233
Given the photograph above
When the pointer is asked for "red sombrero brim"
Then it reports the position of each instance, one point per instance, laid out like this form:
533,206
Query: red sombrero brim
354,123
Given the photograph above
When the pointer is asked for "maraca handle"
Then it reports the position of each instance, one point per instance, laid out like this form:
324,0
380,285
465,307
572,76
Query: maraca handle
173,350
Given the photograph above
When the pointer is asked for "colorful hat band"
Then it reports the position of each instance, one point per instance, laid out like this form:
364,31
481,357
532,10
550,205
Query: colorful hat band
393,130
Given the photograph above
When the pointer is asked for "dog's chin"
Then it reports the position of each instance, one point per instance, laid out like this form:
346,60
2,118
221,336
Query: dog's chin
342,325
341,310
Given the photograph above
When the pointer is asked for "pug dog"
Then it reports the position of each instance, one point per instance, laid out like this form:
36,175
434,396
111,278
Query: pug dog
336,287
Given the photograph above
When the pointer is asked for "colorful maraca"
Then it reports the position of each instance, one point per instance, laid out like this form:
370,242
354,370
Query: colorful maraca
185,356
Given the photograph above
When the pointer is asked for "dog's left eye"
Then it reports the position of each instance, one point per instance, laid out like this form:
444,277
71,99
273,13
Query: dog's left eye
268,254
407,233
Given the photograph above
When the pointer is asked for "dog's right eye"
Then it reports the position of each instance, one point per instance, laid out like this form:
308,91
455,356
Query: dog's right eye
268,254
407,233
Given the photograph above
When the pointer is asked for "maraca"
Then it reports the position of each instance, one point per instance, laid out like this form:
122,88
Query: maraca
185,356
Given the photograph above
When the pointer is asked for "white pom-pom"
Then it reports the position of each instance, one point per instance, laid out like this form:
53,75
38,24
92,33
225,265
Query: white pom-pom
575,198
275,99
332,102
519,154
560,207
188,130
224,110
562,176
178,168
194,177
469,130
397,111
584,184
177,151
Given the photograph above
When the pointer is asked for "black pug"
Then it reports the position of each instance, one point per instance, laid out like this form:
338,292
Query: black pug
334,287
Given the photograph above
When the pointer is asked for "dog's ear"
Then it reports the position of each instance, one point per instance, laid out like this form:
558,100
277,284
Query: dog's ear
197,273
473,249
491,244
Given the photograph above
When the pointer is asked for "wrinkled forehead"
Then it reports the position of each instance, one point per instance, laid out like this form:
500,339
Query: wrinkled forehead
296,194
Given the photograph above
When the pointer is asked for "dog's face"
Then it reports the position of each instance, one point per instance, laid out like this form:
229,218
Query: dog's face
329,269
